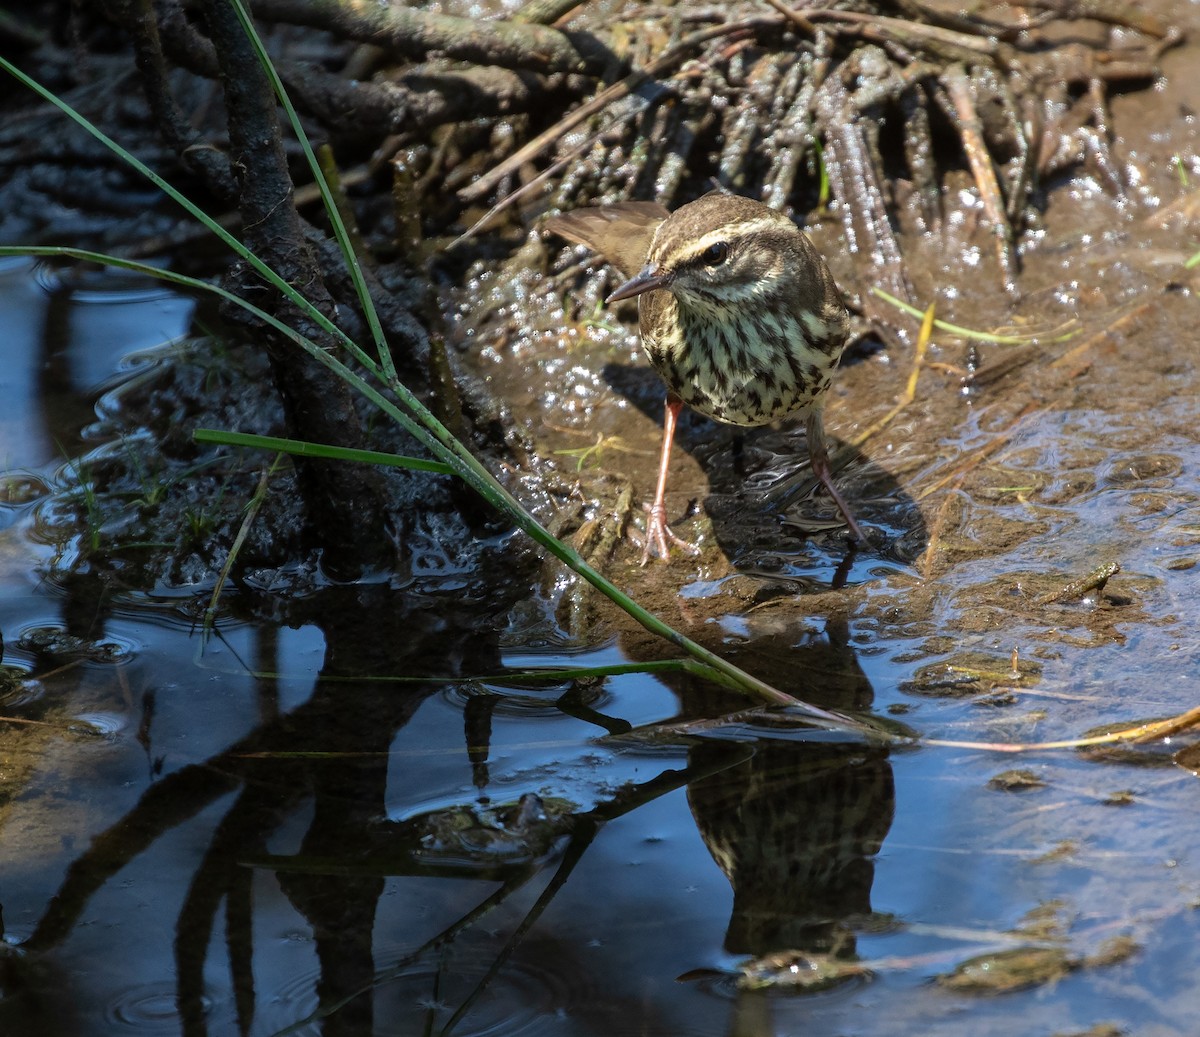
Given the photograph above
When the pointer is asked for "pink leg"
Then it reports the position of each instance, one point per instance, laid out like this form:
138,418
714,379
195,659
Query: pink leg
658,533
817,450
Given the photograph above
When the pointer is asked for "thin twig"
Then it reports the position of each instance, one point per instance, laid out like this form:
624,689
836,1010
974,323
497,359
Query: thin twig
910,389
603,99
797,18
935,536
945,43
514,196
252,510
1139,734
975,459
1075,358
970,129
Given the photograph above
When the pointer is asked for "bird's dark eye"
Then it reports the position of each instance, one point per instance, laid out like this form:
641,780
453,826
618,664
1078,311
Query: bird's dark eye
715,255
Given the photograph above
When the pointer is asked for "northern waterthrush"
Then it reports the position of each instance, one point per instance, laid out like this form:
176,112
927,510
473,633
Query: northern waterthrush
739,315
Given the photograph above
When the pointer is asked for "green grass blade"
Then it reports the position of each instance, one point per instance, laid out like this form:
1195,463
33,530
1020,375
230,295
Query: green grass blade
304,448
969,333
552,675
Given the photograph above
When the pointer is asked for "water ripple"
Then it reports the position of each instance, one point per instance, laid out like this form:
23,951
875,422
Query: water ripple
146,1010
523,999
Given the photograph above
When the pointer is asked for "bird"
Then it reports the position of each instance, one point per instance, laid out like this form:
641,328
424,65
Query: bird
738,313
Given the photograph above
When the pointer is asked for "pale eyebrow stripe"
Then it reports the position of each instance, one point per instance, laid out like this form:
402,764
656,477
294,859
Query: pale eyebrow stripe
728,232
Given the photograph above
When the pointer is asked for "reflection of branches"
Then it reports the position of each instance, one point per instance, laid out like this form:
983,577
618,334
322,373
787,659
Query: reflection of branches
334,751
587,826
180,796
495,899
366,721
221,875
177,798
584,829
580,841
338,899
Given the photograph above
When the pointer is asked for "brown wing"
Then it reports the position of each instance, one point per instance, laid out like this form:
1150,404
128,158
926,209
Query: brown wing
621,233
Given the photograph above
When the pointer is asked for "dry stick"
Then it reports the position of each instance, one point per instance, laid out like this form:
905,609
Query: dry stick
540,179
1112,12
1139,734
602,100
971,130
958,477
910,390
935,536
1162,728
256,503
985,451
1102,139
1075,355
948,43
1185,207
1043,693
969,19
42,723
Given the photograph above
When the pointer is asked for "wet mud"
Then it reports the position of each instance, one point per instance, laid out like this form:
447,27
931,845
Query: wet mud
1016,469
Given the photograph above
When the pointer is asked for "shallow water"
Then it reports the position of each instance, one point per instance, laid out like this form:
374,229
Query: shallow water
346,819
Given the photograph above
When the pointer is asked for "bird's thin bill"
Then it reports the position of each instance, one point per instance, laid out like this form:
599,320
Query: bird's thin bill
647,281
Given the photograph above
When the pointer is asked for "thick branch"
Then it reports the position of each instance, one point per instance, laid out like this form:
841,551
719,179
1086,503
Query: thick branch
196,153
318,405
415,34
422,98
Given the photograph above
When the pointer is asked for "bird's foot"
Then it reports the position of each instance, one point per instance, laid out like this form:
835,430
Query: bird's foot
854,531
658,535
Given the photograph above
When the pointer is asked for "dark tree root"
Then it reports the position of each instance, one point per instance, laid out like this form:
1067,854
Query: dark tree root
318,405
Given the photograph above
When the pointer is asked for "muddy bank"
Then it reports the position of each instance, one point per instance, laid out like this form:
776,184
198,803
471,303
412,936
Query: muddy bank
1016,470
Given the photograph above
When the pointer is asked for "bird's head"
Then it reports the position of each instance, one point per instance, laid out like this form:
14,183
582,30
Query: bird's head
724,251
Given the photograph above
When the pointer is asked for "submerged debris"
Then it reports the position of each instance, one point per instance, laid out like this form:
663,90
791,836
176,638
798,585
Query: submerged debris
1045,959
1092,581
505,833
1010,970
797,972
1016,781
